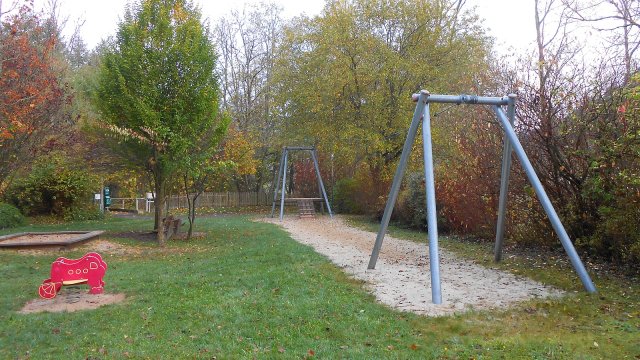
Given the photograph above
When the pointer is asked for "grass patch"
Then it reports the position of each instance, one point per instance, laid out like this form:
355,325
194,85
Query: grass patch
248,290
611,315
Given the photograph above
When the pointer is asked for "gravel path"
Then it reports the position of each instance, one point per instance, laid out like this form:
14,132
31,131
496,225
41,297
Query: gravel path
402,279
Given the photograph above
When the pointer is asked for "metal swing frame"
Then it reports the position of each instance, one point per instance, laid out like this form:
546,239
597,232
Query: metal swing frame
511,144
282,174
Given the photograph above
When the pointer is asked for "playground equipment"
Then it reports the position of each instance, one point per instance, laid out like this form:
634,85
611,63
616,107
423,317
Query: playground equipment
305,204
511,143
89,269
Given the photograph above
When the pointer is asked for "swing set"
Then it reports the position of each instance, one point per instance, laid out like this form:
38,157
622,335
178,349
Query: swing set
306,205
511,144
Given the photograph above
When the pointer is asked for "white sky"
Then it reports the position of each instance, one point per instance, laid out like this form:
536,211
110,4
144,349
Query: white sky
510,22
102,16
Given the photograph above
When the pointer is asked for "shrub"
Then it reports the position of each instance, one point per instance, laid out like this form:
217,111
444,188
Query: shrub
411,209
53,187
617,231
345,198
10,216
83,212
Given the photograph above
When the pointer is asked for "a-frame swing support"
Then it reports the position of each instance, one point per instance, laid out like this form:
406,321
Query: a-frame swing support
511,144
282,174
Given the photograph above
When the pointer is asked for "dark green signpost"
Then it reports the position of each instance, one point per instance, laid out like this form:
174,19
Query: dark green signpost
107,197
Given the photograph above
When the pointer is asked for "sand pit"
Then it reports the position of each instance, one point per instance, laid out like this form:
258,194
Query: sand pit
43,239
71,299
401,278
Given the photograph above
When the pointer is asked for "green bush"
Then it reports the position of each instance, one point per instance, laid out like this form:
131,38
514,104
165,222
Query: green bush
345,196
83,212
10,216
617,231
411,208
53,187
618,236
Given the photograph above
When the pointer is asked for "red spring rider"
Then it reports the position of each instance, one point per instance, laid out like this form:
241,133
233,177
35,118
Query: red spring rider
89,269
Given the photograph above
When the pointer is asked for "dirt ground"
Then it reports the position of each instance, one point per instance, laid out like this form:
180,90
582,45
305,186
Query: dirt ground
104,247
39,239
71,298
401,278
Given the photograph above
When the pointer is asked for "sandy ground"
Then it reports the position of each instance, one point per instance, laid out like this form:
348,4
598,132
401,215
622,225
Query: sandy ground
71,298
42,239
104,247
402,278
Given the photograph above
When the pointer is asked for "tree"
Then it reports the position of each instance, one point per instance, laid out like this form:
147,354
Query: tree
553,85
345,78
247,42
197,176
157,89
33,96
621,18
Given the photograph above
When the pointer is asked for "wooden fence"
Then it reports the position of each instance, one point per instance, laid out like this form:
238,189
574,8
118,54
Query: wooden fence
222,199
207,200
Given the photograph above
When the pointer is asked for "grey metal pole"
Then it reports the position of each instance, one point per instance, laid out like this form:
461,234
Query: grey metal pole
464,99
432,221
397,179
504,182
284,181
102,196
324,193
546,203
277,184
319,184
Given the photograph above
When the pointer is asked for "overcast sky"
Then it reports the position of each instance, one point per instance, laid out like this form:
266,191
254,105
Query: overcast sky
512,25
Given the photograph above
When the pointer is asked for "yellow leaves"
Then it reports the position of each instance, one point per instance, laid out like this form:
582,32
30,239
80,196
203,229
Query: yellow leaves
179,13
238,149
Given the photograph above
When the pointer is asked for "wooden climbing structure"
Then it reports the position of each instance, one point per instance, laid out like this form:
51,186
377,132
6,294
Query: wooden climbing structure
306,209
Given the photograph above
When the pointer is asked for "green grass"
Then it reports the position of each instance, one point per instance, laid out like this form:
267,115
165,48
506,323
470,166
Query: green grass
611,315
249,291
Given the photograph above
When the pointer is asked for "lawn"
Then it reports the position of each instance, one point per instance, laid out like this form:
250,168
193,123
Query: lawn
247,290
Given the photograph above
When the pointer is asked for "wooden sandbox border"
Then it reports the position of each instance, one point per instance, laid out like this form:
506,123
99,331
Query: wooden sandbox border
82,236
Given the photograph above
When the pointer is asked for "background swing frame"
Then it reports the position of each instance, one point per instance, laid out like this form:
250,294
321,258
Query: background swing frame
282,174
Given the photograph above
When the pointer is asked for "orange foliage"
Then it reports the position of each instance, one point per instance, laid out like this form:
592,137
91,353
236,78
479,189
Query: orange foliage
30,91
467,191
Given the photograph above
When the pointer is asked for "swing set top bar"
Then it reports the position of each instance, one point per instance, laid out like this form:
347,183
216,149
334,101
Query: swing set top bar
461,99
299,148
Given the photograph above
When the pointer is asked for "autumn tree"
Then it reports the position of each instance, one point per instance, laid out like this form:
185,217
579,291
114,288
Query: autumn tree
157,89
345,78
33,95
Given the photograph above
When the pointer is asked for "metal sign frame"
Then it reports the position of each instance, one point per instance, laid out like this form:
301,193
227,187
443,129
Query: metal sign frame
511,144
282,174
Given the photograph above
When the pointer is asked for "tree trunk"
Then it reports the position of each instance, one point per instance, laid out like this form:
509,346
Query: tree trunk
152,185
192,214
160,214
159,202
